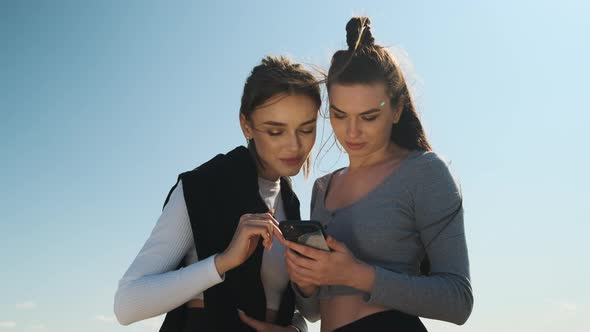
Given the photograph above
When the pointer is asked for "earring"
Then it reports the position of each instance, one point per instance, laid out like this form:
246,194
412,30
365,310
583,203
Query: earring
248,139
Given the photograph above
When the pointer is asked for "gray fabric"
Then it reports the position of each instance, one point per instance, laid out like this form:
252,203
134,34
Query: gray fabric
414,211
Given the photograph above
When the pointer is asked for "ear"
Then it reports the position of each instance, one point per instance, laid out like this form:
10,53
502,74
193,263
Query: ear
245,127
397,112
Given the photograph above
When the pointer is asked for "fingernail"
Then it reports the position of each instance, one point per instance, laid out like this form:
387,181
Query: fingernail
240,310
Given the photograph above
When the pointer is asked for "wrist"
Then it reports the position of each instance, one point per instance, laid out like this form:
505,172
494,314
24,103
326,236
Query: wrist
222,263
362,277
308,291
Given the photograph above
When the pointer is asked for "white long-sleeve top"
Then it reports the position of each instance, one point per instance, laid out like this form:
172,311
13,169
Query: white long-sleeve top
151,286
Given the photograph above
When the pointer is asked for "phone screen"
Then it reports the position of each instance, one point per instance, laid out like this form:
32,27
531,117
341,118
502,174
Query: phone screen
315,239
309,233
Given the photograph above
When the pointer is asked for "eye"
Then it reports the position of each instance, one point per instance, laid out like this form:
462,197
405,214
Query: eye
338,115
274,133
369,117
306,131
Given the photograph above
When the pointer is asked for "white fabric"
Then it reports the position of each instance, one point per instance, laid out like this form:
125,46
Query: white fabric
273,271
152,287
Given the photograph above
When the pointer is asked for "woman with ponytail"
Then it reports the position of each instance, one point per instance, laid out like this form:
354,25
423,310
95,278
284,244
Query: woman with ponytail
394,215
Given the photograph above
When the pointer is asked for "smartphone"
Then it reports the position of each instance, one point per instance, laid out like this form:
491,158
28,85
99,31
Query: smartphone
308,232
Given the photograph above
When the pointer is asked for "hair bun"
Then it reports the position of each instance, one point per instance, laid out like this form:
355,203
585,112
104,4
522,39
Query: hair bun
359,27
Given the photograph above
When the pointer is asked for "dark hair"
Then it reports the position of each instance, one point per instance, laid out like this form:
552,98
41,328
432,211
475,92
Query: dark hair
272,78
366,63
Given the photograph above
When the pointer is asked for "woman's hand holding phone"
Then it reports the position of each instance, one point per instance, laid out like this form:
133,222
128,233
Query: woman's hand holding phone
250,229
309,267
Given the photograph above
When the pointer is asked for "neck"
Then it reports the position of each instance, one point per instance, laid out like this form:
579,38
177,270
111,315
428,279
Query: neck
387,153
266,173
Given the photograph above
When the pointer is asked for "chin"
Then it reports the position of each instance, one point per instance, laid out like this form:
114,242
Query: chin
289,171
293,173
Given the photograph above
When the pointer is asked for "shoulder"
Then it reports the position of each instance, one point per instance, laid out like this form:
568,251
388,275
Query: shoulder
429,164
433,175
321,183
428,158
220,166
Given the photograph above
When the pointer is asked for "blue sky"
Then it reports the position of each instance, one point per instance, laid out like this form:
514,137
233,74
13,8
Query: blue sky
103,103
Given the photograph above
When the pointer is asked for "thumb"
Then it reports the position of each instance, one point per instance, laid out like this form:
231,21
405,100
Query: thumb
253,323
335,245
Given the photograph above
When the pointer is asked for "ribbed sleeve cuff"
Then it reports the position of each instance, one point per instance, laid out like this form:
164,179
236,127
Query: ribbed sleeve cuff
211,270
382,287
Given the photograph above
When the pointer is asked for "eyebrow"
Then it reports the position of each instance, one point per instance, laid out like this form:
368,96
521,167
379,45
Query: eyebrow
280,124
371,111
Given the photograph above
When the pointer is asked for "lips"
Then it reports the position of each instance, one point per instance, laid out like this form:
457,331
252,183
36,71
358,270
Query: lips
355,146
291,161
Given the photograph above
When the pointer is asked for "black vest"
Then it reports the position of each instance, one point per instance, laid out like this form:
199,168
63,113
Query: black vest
217,194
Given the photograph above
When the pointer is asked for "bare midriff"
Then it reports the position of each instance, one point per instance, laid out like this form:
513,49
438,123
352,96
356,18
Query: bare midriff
338,311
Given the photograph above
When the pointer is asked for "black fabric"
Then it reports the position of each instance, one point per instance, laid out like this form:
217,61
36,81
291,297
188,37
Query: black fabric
217,194
390,321
196,321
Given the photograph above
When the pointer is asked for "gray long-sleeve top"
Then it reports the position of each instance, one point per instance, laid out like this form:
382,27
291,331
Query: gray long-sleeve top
415,211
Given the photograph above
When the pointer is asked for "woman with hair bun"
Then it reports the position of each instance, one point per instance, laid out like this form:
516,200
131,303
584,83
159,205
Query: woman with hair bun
394,215
213,261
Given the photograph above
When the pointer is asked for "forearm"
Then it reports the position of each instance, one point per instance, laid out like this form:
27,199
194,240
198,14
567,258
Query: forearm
361,276
442,296
153,295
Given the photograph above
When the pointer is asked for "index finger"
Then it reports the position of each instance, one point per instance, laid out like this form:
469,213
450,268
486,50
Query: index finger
278,233
268,216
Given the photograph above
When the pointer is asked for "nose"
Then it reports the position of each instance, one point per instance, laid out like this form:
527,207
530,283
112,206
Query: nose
352,128
294,142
